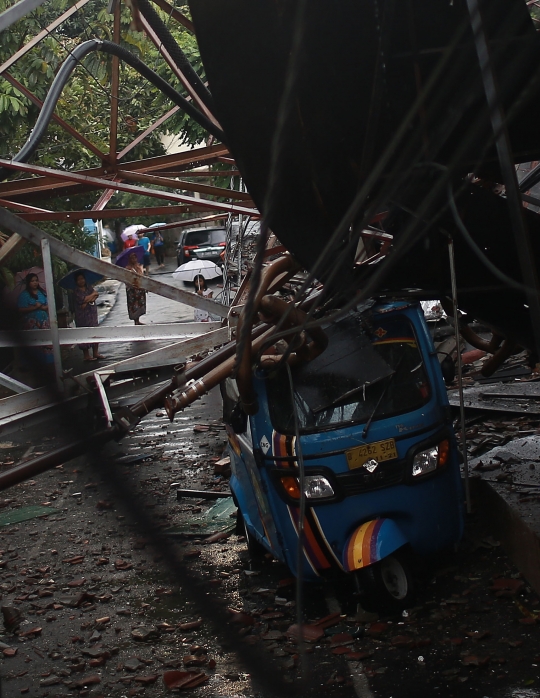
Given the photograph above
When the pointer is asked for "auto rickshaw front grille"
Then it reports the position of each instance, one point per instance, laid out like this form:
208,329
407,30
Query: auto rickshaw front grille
361,480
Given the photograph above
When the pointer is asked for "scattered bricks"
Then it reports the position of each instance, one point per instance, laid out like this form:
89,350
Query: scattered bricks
143,634
341,639
165,627
377,629
94,663
146,680
241,618
88,681
194,660
324,623
122,564
33,632
191,625
184,679
309,633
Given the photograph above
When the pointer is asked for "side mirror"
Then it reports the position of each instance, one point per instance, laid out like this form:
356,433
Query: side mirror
238,419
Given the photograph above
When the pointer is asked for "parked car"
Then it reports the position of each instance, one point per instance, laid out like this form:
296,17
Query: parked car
201,243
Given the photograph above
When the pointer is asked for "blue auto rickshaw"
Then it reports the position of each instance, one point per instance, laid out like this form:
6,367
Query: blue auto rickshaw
381,470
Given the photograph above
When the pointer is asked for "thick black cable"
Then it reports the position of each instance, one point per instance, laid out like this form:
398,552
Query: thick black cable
478,252
385,191
376,172
69,66
301,518
176,53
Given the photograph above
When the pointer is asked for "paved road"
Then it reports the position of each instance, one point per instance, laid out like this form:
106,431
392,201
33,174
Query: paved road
159,310
104,604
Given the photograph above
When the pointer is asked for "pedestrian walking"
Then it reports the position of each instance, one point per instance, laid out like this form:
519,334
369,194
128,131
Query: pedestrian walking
201,289
86,314
144,242
159,249
136,297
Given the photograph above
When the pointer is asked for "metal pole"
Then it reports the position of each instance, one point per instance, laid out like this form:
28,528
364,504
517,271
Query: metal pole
53,320
460,374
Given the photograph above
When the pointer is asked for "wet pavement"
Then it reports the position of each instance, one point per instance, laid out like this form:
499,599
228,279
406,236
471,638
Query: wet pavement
106,610
114,589
159,310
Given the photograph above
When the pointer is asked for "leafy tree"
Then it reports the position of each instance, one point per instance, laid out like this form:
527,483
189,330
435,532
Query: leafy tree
85,102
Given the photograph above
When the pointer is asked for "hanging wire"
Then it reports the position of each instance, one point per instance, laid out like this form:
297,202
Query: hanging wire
301,535
407,239
180,571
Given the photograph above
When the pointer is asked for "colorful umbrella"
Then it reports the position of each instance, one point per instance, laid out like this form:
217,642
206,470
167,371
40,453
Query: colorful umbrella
10,297
131,231
68,281
123,258
204,267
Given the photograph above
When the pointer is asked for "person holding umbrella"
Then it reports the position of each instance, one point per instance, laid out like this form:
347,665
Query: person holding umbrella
86,313
33,307
201,289
136,297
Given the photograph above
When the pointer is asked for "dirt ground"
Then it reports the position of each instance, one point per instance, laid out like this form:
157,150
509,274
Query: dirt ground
109,605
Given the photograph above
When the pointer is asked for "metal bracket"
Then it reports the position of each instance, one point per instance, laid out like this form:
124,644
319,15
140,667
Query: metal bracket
103,396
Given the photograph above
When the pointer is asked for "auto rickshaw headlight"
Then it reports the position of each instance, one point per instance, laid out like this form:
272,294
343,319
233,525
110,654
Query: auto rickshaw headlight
317,487
432,458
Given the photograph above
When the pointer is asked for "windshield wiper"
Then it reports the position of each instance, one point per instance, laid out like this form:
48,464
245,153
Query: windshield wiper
388,383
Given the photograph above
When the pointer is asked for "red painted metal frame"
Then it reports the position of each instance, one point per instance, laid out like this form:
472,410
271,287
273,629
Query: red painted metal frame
49,183
99,183
110,213
190,158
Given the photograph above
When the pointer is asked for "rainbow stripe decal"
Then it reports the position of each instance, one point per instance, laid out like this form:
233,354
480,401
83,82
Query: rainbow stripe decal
361,548
371,542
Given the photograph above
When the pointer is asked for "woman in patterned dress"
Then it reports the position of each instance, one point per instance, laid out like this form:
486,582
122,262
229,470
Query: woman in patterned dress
136,297
86,314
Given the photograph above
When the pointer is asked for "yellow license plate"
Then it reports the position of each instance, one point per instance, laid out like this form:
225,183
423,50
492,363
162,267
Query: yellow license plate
379,451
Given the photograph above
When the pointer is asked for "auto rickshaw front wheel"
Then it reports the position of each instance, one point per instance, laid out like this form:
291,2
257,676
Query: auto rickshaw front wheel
386,585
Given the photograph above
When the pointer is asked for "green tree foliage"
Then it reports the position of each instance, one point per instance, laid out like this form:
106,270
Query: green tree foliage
85,103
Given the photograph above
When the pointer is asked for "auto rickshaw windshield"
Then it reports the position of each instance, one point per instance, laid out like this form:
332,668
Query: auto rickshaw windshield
375,370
